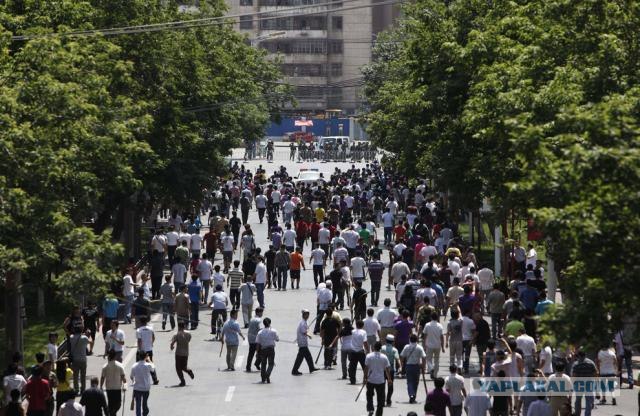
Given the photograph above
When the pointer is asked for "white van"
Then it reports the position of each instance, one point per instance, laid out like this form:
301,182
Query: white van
333,140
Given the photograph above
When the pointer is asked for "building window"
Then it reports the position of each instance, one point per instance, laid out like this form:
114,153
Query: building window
246,2
336,69
337,22
335,46
295,23
246,22
304,70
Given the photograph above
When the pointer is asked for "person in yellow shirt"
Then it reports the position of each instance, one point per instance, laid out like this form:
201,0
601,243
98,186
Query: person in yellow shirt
320,213
64,375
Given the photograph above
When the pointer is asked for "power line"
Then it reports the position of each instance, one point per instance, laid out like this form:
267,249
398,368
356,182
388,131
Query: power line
211,21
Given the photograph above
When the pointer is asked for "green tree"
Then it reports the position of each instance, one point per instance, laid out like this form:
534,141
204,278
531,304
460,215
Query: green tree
534,105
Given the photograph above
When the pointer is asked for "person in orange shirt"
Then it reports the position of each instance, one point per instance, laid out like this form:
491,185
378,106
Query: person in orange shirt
297,261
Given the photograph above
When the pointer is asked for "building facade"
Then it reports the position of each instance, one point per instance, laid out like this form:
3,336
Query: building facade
322,48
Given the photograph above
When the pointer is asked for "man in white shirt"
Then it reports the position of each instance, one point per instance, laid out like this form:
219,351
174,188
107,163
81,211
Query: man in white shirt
358,267
392,206
275,200
324,297
386,317
398,270
340,254
454,385
219,303
185,237
227,240
114,340
428,251
478,403
129,294
351,239
485,275
289,238
261,205
260,279
528,346
205,270
413,360
140,376
388,220
318,259
532,256
357,355
173,239
324,236
196,244
433,344
265,345
287,211
468,336
372,328
113,379
146,337
179,273
302,339
158,242
376,371
247,292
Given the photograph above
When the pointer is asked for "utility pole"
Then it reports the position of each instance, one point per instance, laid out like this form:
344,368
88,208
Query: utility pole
14,314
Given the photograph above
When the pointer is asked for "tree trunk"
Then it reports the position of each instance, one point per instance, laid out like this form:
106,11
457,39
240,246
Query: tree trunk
482,237
14,314
40,310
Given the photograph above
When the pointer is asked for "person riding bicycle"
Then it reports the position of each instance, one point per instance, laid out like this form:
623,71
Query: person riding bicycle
219,302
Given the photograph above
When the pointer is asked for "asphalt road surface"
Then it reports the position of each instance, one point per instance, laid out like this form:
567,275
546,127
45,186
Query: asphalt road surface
217,393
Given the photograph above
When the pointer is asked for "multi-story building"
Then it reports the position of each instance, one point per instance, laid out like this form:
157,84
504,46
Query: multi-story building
322,47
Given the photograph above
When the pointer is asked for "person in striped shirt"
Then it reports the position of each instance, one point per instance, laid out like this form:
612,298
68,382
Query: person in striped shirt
234,280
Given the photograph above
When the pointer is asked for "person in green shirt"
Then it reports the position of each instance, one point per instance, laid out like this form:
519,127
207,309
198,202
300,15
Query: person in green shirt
182,254
364,233
513,328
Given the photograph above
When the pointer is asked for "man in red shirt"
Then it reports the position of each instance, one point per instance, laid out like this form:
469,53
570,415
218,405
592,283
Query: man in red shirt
37,393
210,243
399,231
297,262
315,227
301,233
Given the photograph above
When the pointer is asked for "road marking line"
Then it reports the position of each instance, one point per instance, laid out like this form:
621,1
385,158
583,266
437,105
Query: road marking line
229,395
129,356
245,342
239,361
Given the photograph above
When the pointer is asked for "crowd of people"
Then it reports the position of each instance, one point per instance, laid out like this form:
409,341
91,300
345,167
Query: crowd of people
394,330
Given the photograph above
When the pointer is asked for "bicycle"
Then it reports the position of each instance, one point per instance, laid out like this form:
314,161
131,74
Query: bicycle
219,324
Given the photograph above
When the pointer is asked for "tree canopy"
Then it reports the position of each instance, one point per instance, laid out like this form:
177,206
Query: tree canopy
533,104
92,124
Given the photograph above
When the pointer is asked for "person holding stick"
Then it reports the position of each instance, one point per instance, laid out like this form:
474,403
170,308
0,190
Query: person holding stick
180,341
376,371
302,338
230,332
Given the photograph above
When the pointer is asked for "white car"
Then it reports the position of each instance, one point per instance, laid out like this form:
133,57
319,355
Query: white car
308,176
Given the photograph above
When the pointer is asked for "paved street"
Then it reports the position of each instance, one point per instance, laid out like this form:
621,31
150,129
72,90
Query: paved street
216,393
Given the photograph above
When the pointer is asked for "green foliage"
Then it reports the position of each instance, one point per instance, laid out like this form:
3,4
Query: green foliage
89,266
534,105
90,125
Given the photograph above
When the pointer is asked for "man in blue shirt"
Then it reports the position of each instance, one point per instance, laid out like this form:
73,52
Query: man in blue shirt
194,296
230,332
543,304
529,297
109,312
